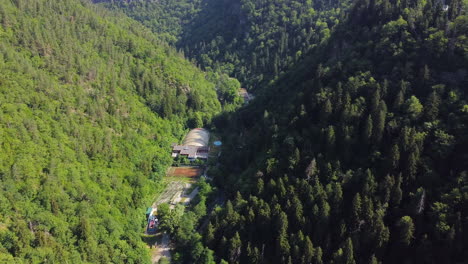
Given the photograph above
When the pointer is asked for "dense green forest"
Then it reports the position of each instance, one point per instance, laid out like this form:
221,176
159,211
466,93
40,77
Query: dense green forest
254,41
354,150
358,153
90,102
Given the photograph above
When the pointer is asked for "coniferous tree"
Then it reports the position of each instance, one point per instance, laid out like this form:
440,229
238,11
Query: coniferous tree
431,108
367,130
356,209
348,252
234,250
394,156
308,250
405,230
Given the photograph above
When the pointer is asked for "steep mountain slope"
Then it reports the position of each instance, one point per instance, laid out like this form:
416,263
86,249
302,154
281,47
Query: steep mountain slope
358,154
254,41
356,151
89,104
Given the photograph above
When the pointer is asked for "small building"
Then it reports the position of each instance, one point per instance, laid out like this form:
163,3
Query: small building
195,145
191,152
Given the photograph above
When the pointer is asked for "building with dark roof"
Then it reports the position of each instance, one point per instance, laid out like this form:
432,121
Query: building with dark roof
195,145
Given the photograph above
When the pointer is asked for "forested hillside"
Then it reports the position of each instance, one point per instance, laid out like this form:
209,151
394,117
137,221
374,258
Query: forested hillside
254,41
355,149
89,104
358,153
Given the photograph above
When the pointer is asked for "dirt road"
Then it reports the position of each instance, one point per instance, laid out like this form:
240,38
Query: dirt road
173,194
163,250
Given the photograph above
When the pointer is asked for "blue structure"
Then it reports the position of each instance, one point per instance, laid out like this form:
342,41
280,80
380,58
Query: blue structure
217,143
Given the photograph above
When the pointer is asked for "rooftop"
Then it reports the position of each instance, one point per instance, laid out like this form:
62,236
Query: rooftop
197,137
192,152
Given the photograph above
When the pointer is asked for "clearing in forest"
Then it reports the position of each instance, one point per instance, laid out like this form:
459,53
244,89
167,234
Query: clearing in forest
187,172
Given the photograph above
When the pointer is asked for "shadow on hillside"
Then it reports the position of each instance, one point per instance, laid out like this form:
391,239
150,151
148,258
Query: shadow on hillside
211,23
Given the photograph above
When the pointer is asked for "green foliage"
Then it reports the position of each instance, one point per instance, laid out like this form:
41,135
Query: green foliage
360,148
89,104
413,107
405,230
182,225
196,121
354,150
254,41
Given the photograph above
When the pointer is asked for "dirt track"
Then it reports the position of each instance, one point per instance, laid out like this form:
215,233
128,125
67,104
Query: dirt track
163,250
172,191
173,194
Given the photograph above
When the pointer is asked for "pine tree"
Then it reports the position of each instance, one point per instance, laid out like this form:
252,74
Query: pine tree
326,111
356,212
308,250
207,257
373,260
260,186
235,248
282,244
397,193
379,122
253,254
209,235
318,256
386,188
405,230
381,232
413,107
367,130
431,107
394,156
400,97
294,159
330,140
336,198
369,184
311,170
368,210
412,164
375,101
348,252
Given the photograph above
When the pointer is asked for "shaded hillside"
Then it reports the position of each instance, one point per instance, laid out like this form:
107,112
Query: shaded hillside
89,104
356,151
358,154
254,41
